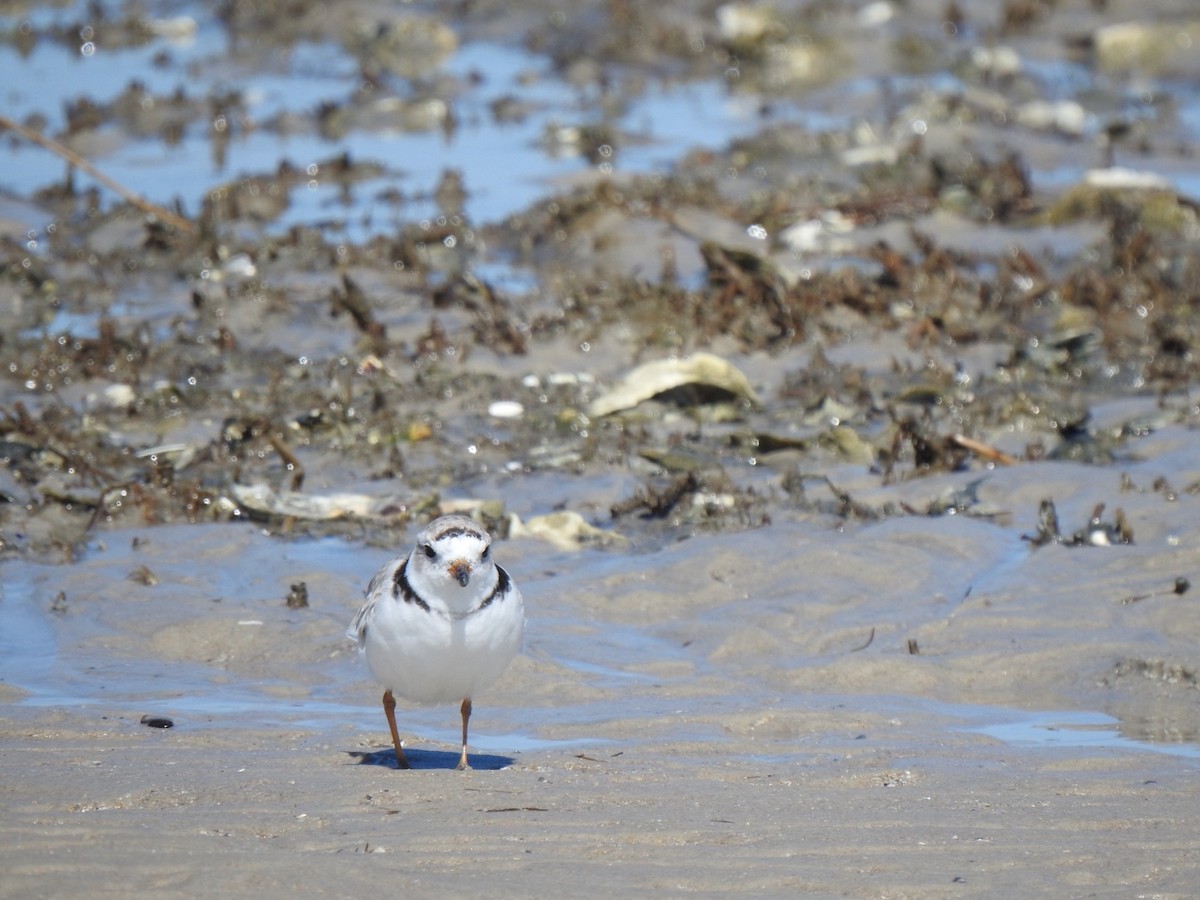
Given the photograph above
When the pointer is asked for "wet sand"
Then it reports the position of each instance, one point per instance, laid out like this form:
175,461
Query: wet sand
897,813
731,713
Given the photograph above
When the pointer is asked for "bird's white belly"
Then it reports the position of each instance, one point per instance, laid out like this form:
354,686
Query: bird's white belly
428,658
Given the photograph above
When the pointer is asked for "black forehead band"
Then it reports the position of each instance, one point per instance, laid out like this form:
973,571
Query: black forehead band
456,531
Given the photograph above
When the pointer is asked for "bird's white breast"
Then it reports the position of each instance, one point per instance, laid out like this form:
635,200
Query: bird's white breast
430,653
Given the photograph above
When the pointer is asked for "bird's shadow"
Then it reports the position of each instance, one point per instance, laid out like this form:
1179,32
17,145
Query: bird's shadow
429,759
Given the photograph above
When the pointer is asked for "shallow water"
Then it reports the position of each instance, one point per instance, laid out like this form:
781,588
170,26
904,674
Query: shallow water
506,163
1078,730
763,642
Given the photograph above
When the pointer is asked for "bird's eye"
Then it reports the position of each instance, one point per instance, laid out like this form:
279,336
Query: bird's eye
429,551
487,551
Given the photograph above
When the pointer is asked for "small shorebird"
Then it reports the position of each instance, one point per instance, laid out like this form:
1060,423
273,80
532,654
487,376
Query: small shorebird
440,624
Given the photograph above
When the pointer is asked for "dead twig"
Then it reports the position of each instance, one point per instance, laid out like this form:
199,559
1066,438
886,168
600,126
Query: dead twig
1180,587
290,461
153,209
870,638
984,450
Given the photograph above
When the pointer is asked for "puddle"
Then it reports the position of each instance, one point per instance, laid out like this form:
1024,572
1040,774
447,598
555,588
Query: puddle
1076,730
616,699
27,643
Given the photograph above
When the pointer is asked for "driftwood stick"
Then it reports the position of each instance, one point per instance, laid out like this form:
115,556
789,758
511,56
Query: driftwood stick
79,162
985,450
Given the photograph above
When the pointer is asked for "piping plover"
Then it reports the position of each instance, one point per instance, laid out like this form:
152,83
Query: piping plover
441,623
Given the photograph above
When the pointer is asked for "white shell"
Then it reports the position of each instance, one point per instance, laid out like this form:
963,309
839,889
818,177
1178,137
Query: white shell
506,409
565,529
662,375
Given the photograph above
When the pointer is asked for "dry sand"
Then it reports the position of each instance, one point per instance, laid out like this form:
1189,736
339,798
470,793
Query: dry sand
103,808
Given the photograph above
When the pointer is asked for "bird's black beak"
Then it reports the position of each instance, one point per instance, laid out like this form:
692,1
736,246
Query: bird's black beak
461,571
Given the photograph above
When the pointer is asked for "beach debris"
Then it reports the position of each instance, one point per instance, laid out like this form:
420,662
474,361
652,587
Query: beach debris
265,500
699,378
764,442
680,459
841,503
958,500
1150,48
966,308
487,512
143,575
744,25
297,596
697,497
652,503
497,324
1157,670
506,409
1142,198
157,722
1063,116
1178,589
826,234
406,47
353,300
1116,178
1097,532
850,445
178,29
1047,530
982,450
417,431
159,213
177,454
929,451
565,529
383,114
236,432
867,643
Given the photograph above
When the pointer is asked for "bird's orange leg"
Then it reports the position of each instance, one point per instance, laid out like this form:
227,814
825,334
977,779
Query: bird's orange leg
389,710
466,717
